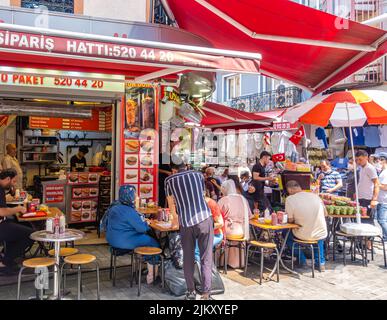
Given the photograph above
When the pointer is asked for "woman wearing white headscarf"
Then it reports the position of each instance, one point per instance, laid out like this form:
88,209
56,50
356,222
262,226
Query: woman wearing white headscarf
237,215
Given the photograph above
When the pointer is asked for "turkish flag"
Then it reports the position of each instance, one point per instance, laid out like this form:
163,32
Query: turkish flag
280,157
297,137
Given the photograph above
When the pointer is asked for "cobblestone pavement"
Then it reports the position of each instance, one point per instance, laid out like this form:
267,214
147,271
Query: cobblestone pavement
337,283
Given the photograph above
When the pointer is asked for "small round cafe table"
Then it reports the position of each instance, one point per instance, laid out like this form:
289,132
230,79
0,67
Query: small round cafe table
57,239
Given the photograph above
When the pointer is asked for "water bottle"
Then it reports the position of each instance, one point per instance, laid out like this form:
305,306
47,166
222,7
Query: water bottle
267,216
50,225
62,224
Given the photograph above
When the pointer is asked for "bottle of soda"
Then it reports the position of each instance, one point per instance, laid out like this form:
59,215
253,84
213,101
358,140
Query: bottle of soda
168,215
274,219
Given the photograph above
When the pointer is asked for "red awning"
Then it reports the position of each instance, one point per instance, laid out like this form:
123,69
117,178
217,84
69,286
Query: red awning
224,117
301,45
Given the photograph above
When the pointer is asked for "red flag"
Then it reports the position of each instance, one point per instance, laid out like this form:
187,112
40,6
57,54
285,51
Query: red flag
296,138
280,157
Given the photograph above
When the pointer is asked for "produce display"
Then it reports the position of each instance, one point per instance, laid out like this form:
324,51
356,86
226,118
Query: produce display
336,205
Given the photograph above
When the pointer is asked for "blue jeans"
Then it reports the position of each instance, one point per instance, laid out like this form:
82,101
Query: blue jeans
382,218
302,259
217,240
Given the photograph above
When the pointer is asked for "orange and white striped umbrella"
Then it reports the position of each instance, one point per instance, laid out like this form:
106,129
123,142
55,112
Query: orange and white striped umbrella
342,109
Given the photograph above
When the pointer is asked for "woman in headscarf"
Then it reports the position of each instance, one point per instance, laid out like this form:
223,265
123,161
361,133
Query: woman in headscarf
237,215
126,228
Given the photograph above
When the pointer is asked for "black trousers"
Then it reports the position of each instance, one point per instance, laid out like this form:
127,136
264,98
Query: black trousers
17,240
366,203
203,234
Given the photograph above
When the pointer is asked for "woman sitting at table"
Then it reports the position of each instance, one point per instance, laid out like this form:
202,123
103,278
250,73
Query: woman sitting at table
237,214
126,228
219,229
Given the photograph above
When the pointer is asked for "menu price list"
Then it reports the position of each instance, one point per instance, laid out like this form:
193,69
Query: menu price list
54,193
101,120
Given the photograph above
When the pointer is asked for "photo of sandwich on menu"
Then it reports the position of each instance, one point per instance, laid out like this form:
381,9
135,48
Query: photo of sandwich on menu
131,161
131,146
146,191
146,161
146,175
131,176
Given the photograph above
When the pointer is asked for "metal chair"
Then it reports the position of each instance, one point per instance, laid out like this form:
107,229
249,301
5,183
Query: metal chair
79,260
214,253
148,252
240,243
384,249
262,246
114,253
305,244
345,238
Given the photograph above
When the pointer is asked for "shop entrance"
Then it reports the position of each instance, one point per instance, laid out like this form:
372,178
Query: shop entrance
65,146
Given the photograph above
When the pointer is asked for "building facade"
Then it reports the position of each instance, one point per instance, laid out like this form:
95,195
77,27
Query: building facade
260,93
128,10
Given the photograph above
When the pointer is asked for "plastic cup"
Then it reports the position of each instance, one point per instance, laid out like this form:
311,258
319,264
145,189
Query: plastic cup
351,211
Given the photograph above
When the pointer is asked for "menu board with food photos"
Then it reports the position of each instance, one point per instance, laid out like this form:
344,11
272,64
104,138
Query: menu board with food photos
84,196
140,140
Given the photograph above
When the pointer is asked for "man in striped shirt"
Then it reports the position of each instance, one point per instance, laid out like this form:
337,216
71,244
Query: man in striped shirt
186,189
330,180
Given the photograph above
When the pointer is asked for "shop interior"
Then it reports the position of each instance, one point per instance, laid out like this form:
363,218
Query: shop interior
47,135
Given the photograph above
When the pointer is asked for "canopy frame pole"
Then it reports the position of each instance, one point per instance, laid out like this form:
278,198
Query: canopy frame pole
304,41
358,216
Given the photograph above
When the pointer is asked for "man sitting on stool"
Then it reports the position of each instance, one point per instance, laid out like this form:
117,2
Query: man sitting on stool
307,210
15,236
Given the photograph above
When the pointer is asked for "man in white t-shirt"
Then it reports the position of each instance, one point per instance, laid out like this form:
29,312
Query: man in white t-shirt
368,184
307,210
382,199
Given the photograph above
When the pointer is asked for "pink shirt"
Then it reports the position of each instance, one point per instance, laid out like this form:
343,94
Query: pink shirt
232,207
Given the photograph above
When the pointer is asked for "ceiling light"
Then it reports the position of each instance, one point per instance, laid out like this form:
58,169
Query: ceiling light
205,90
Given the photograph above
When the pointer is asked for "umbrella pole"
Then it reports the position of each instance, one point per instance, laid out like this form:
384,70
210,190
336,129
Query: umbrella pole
358,216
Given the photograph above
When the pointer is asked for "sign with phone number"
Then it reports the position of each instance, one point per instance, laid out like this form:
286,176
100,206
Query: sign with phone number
26,80
27,43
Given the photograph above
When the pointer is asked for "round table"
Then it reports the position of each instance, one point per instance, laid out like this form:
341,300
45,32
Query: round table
45,236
